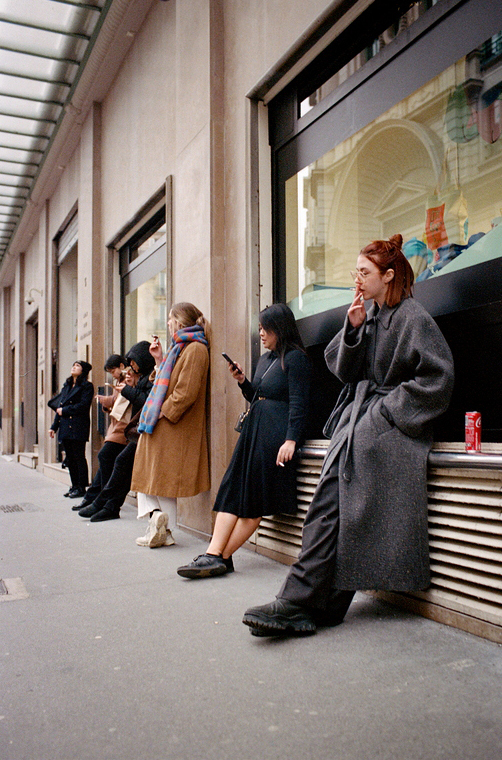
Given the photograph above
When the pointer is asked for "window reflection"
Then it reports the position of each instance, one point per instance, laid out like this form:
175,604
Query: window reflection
149,242
429,168
146,312
402,24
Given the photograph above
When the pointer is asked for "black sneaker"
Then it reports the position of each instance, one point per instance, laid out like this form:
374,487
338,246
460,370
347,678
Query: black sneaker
203,566
279,618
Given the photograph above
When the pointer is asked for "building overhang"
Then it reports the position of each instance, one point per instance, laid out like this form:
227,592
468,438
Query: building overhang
85,45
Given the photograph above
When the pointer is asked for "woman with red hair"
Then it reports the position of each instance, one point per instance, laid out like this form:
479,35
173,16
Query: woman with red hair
366,527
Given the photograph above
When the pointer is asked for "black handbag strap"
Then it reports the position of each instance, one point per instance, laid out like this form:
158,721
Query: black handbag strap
261,378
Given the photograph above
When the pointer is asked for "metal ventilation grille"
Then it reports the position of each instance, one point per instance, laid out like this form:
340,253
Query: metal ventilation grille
283,533
465,538
465,534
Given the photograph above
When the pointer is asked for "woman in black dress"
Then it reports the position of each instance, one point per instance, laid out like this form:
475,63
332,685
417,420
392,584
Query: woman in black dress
261,477
72,424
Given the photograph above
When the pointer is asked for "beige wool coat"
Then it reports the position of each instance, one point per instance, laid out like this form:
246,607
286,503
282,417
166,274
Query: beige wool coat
173,461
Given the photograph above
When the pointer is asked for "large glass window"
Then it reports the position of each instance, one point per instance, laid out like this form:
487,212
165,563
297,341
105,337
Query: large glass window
329,83
145,283
429,167
408,140
145,311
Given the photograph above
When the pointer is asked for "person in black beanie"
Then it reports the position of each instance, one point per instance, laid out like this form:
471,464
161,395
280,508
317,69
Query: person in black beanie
106,506
72,424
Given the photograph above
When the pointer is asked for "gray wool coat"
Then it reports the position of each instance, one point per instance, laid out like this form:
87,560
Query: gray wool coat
398,372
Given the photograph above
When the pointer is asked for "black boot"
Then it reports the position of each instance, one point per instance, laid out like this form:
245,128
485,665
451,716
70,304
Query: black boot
105,514
279,618
89,511
336,609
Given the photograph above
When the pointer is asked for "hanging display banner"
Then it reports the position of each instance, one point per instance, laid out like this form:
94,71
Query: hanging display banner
435,230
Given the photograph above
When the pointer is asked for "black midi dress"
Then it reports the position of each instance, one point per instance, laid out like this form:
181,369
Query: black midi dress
253,485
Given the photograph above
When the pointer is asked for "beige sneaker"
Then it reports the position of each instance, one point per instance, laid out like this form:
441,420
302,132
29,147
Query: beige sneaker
169,539
156,532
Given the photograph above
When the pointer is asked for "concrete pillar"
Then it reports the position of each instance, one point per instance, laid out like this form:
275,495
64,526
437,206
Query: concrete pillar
91,263
18,341
199,252
7,375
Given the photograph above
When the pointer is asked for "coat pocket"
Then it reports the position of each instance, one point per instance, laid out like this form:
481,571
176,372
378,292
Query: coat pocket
380,423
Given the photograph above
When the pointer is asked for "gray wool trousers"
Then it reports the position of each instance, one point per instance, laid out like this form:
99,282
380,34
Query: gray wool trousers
310,579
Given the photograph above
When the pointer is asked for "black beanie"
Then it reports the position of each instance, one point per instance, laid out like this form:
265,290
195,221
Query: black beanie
86,367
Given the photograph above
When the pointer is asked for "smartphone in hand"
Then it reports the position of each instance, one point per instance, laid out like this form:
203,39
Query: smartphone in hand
229,360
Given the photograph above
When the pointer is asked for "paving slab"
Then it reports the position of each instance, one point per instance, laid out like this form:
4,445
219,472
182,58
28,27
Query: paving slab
108,655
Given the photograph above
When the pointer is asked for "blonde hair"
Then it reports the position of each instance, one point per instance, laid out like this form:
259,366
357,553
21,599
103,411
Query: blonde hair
187,315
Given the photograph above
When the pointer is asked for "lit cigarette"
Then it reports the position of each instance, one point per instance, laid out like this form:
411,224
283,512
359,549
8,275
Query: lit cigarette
281,464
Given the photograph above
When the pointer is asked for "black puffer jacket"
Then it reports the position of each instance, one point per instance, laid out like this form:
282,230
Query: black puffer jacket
141,355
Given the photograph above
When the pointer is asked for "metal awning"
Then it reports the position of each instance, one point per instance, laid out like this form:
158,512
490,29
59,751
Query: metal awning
44,46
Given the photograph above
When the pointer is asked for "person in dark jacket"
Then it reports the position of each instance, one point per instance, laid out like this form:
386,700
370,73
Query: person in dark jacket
115,440
366,527
261,477
106,506
72,424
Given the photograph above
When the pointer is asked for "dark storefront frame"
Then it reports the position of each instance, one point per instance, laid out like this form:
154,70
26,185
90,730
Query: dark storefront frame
468,303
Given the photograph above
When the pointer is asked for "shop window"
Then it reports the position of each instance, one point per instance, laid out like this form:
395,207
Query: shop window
145,282
333,80
410,142
429,167
146,240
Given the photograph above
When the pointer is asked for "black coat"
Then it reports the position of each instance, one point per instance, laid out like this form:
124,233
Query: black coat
139,394
145,361
253,484
75,400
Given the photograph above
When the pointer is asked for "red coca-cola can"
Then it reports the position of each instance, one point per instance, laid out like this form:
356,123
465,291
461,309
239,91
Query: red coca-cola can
472,431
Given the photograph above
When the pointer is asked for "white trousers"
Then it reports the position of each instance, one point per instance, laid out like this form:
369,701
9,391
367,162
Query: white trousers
148,503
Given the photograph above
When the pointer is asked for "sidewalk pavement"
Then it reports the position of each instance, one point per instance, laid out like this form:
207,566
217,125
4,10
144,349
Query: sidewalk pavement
112,656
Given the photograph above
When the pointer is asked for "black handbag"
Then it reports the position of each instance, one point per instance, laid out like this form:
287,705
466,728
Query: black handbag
54,403
241,420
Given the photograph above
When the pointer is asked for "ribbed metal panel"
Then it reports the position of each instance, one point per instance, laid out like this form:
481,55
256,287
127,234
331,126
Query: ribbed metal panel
465,534
283,533
465,538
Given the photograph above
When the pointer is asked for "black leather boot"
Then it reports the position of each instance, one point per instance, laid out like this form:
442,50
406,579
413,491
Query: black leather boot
279,618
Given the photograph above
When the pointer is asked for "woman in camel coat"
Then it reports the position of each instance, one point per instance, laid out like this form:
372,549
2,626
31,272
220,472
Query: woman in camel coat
172,455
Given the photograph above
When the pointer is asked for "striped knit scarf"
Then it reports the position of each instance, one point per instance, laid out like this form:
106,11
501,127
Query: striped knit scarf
151,410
